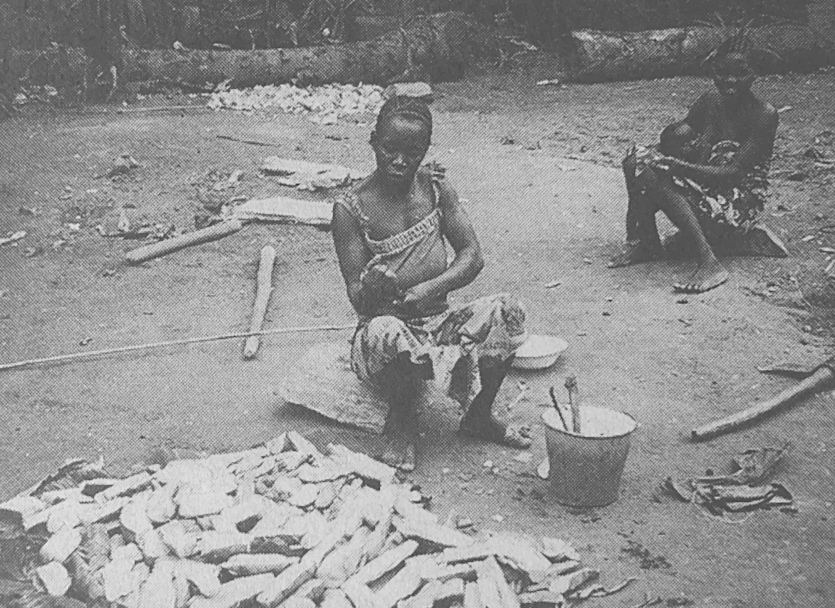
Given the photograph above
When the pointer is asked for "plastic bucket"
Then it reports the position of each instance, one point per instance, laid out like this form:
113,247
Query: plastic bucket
585,470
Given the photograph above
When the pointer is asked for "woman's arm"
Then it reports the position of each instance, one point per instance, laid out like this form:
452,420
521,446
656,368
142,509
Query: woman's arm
468,263
758,146
353,256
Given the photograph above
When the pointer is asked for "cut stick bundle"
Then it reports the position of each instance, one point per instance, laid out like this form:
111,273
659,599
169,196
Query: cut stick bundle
263,291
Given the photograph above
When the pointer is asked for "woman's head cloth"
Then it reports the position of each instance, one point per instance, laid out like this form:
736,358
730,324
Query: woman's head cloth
408,102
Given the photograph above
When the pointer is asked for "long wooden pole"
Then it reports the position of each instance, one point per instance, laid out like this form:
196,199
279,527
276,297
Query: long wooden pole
127,349
149,252
263,292
823,378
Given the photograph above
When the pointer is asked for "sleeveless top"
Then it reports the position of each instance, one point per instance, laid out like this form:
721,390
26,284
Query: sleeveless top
415,254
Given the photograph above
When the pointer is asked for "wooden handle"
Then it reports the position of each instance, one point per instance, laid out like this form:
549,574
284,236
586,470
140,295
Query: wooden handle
574,402
263,292
149,252
817,382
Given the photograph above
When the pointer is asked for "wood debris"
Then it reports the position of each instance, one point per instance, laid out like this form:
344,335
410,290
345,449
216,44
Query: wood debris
279,525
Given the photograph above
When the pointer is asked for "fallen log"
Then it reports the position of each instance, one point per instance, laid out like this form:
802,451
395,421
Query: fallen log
596,56
438,47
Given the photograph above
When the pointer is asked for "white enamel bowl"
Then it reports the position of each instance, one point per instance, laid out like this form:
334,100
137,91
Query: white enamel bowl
539,352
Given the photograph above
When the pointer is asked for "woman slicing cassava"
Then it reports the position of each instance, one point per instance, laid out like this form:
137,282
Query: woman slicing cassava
709,175
392,232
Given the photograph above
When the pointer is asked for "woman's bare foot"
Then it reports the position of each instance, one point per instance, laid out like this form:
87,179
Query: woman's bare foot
708,276
401,438
490,429
634,253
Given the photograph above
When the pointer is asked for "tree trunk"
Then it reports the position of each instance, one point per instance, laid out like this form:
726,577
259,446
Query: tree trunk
596,56
438,46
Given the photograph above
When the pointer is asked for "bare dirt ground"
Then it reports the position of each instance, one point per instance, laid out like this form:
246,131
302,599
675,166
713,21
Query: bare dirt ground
548,207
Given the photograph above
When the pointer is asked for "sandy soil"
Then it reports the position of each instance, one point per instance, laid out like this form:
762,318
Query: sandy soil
548,208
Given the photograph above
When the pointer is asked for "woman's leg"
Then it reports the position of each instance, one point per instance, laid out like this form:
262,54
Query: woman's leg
479,420
660,188
401,382
642,242
387,353
496,325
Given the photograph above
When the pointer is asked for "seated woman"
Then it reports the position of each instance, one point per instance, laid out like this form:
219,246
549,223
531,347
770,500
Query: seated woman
391,233
709,175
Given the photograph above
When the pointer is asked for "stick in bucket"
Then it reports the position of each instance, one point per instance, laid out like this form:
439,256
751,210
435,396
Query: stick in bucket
574,402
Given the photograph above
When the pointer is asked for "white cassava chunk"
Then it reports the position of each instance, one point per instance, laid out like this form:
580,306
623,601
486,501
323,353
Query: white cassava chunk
161,506
60,545
220,546
118,579
129,485
197,501
234,592
181,542
134,517
204,577
158,590
55,578
151,545
259,563
129,552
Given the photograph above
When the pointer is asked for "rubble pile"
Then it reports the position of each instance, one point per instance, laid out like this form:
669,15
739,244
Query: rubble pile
278,525
326,105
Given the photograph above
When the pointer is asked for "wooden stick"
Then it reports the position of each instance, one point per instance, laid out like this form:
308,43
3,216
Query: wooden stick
823,378
553,394
251,142
161,109
149,252
263,292
574,402
126,349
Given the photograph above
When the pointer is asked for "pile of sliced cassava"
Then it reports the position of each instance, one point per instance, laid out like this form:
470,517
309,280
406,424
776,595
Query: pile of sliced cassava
279,525
326,104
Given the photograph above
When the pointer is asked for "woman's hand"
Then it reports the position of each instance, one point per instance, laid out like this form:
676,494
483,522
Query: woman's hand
379,285
420,298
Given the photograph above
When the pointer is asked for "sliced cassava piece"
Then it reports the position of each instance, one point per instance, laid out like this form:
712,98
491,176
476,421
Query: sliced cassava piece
361,596
426,597
235,592
335,598
472,596
152,546
220,546
519,552
451,591
54,578
403,584
344,560
118,579
247,564
158,590
312,590
431,533
61,545
134,517
129,485
385,563
178,538
542,597
161,507
443,573
364,466
558,550
493,586
277,444
285,584
197,501
204,577
129,552
301,444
